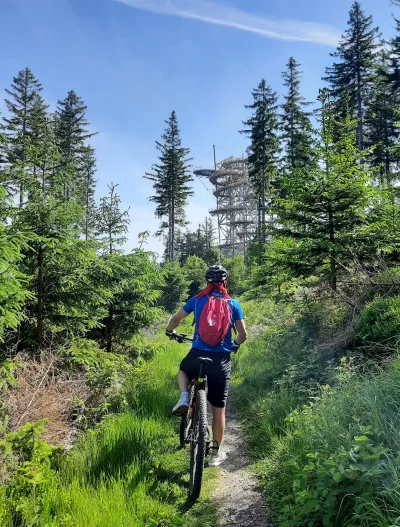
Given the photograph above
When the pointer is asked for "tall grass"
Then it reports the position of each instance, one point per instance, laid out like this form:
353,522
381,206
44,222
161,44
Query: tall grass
129,472
324,438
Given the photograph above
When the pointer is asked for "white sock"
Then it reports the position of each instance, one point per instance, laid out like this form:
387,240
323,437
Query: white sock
184,396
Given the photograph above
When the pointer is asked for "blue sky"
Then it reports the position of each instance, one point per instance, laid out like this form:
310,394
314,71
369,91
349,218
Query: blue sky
134,61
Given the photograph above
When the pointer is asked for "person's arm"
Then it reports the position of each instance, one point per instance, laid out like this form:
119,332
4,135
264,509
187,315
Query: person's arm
176,320
242,333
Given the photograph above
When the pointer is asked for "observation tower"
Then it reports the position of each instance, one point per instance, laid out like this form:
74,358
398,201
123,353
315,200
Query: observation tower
236,207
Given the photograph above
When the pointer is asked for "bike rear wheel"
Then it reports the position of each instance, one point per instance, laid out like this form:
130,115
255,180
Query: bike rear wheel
198,446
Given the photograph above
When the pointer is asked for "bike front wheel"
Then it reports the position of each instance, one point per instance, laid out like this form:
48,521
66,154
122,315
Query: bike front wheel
198,446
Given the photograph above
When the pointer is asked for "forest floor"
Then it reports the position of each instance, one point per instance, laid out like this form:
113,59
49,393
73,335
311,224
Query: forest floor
240,503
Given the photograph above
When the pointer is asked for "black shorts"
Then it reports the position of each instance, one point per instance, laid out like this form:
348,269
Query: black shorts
218,373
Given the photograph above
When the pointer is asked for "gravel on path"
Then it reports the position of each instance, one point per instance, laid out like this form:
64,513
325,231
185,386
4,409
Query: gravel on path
240,502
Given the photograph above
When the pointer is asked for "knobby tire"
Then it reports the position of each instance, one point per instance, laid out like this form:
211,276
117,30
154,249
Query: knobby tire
198,446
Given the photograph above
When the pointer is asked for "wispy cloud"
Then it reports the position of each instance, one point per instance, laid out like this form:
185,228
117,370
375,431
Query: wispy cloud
224,15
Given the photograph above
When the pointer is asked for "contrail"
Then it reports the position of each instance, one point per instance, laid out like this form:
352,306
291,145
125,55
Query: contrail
223,15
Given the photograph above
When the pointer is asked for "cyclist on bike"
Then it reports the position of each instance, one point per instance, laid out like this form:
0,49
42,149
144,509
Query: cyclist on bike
218,372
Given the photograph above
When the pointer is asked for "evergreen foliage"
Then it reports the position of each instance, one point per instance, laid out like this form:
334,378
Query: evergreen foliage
174,290
295,120
321,216
23,105
351,77
382,121
71,134
171,181
263,152
200,242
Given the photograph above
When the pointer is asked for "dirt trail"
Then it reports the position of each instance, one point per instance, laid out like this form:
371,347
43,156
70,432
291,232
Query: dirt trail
240,503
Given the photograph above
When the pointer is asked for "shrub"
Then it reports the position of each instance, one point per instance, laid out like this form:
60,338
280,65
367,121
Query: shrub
380,321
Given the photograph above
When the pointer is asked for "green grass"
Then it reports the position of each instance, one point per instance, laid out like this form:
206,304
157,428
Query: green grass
324,455
129,472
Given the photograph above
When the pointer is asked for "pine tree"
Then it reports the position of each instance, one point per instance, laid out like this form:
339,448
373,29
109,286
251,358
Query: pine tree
382,129
22,106
350,78
263,152
171,178
323,209
72,132
395,51
61,267
295,120
174,291
88,184
111,225
200,243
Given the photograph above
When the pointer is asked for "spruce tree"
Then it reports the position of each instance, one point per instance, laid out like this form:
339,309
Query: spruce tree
382,129
22,105
295,120
323,209
88,186
263,152
71,133
61,267
111,225
350,78
171,178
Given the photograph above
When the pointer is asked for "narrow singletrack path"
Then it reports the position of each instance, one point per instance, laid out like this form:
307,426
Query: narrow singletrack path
240,503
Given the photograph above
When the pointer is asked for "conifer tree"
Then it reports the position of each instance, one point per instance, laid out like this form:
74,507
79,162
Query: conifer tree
350,78
22,105
295,120
263,152
71,133
171,178
61,266
111,226
88,170
323,209
381,120
199,243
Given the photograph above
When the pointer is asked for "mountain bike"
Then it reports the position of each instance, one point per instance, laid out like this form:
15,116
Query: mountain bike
194,428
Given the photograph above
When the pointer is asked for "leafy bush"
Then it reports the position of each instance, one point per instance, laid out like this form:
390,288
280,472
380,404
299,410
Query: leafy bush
380,321
324,434
107,373
28,461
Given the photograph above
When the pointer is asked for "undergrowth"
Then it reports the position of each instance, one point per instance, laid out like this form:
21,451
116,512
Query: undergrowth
126,472
322,422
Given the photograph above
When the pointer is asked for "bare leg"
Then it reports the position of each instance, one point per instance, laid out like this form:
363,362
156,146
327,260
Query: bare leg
183,381
218,424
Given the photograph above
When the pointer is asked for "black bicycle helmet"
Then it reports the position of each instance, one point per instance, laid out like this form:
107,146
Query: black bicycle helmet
216,274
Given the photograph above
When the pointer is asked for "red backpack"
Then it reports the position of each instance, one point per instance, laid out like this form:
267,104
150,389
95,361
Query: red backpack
215,320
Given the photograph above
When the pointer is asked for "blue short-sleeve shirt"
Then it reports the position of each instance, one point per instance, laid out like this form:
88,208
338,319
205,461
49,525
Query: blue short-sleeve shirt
196,305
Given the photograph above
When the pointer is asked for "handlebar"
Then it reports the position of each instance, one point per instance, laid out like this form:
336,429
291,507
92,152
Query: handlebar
181,338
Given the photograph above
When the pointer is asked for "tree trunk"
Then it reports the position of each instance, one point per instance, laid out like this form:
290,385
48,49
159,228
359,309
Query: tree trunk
109,326
332,257
40,301
263,195
359,112
173,215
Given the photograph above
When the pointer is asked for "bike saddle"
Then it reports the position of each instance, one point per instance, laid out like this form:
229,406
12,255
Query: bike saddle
203,360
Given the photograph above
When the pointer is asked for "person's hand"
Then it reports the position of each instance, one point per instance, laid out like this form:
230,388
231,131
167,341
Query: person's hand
235,347
170,334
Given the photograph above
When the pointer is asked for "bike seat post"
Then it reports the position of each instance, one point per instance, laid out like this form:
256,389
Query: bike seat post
201,371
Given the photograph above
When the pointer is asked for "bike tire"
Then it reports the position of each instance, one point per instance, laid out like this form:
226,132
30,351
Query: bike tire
198,446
